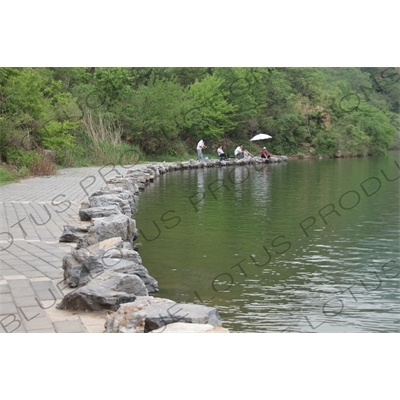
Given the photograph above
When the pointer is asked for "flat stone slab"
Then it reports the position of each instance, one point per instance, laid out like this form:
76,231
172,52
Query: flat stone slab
73,326
181,327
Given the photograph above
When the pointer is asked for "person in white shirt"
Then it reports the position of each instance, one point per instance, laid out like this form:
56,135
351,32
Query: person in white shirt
239,152
199,148
247,154
221,154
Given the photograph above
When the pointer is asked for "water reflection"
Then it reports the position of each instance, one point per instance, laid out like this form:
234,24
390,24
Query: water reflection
332,280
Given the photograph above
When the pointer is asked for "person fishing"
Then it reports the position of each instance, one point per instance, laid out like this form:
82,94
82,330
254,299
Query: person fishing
247,154
264,153
199,148
239,152
221,154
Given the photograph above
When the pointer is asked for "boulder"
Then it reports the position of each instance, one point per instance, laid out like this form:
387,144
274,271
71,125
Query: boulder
106,245
124,183
153,313
177,166
139,176
109,227
130,317
106,200
124,253
164,314
106,291
121,192
73,264
87,214
128,267
72,270
72,233
82,265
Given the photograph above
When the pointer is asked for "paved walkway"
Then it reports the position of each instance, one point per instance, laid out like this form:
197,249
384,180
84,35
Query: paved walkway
33,213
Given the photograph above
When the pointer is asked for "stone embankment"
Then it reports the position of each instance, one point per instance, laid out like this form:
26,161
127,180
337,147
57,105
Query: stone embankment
106,271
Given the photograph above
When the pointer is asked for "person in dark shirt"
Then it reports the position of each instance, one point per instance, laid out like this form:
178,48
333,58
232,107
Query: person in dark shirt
264,153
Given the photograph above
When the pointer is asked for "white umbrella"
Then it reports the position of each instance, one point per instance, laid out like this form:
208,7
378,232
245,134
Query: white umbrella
260,136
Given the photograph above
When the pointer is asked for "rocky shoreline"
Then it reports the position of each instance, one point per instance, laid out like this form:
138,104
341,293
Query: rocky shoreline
105,270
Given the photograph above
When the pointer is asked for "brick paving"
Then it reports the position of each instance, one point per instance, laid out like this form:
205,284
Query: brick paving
33,213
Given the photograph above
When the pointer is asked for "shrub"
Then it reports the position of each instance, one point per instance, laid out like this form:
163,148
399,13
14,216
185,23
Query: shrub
6,176
43,166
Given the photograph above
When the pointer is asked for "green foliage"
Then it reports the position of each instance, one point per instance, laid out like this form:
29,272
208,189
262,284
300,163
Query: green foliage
35,113
23,158
55,135
99,152
209,114
153,113
93,115
325,143
6,176
187,76
244,90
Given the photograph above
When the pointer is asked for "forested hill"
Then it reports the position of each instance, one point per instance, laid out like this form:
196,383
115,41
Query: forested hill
83,113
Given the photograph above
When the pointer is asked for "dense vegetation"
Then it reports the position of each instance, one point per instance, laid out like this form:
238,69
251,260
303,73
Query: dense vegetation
108,115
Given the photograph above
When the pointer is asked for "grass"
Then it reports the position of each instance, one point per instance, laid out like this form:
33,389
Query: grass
6,176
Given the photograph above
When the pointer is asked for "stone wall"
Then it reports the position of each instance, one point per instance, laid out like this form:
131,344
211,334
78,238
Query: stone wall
106,271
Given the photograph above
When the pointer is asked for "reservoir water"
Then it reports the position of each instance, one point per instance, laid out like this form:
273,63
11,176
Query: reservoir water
303,246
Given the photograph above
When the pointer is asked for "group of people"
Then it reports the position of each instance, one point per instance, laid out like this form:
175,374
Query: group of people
239,152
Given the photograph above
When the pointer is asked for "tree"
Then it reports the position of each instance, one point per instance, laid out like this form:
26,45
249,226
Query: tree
36,112
153,115
208,114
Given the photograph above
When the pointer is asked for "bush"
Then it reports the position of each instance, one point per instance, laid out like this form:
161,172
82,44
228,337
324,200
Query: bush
89,152
21,158
43,166
6,176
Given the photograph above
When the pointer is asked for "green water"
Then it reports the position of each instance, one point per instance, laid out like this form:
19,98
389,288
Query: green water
297,247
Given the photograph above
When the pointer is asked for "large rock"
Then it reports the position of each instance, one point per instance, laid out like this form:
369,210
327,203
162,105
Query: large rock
106,291
125,183
72,233
164,314
72,270
82,265
125,254
121,192
112,189
87,214
106,245
109,227
124,201
130,317
73,263
129,267
148,314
